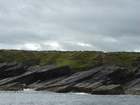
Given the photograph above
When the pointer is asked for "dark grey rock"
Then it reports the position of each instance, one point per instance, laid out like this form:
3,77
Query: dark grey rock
100,80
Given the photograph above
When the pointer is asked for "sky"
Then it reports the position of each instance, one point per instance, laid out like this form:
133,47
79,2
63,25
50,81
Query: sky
70,25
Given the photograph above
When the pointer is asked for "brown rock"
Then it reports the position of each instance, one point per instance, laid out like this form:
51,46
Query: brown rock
108,89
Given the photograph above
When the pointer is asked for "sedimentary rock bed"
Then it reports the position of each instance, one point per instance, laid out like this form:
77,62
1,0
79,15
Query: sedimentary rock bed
100,80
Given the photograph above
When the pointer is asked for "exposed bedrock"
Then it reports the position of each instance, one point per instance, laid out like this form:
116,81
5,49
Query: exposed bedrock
101,80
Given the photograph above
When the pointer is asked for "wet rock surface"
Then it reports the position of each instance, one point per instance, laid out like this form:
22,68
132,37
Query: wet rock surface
101,80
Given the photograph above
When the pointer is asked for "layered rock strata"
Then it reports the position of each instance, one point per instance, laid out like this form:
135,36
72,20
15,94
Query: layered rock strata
100,80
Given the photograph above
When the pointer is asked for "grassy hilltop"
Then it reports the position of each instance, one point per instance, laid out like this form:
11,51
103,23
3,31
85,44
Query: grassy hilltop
74,59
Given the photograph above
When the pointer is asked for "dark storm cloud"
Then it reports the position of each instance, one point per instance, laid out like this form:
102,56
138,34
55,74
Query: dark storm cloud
106,25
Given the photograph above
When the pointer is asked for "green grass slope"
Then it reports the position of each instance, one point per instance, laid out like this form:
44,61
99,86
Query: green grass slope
74,59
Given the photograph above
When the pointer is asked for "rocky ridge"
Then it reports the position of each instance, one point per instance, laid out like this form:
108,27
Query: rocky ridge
100,80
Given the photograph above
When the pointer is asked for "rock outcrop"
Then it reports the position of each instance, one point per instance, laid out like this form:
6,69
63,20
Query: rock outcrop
108,89
100,80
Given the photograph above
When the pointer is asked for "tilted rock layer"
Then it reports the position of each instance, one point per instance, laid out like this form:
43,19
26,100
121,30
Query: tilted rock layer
100,80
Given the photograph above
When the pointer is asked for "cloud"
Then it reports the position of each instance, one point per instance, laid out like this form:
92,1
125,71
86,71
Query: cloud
70,25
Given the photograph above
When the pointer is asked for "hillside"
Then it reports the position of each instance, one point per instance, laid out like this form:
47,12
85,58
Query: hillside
73,59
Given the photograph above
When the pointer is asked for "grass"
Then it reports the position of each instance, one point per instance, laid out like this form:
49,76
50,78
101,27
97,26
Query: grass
74,59
121,58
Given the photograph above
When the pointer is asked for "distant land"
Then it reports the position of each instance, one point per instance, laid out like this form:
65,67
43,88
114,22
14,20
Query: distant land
94,72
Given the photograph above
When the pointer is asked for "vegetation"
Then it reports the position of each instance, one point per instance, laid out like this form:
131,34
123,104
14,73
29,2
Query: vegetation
74,59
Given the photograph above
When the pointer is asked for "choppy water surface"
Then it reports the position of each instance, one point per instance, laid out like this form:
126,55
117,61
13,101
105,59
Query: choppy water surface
28,97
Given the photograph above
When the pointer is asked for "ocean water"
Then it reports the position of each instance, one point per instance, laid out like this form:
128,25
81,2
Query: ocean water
30,97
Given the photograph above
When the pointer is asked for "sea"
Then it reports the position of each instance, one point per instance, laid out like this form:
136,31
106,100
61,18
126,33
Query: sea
31,97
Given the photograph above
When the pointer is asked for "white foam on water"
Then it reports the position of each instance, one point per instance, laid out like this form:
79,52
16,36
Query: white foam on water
82,93
29,90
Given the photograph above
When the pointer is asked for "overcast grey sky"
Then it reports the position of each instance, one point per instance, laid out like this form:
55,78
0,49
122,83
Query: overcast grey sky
101,25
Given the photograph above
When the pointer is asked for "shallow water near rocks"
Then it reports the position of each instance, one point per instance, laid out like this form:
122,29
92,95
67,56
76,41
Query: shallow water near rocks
30,97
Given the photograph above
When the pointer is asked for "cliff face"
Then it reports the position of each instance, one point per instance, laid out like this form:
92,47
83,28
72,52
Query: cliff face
98,80
77,71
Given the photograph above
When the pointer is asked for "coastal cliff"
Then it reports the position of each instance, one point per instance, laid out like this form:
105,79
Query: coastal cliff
90,72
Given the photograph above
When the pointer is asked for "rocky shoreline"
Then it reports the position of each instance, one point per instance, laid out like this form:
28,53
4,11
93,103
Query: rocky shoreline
103,80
